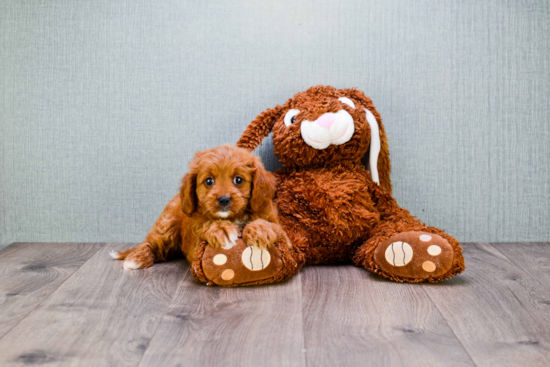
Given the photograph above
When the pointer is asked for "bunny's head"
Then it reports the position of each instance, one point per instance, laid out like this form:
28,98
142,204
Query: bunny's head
321,126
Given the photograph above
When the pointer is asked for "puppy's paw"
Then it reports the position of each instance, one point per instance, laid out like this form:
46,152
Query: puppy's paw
222,234
140,258
261,233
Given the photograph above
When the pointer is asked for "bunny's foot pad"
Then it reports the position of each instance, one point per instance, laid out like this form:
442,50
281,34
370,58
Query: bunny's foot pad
243,265
415,256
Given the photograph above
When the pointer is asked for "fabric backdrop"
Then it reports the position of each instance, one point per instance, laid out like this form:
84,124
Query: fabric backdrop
103,103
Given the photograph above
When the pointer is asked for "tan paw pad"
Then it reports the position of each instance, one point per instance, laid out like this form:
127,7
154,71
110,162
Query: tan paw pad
428,266
255,259
434,250
425,237
219,259
228,274
399,253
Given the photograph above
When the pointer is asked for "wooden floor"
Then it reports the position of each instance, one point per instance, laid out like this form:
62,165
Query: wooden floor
70,304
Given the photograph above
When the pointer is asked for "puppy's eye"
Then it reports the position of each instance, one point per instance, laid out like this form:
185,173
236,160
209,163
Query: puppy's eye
347,101
209,181
238,180
290,117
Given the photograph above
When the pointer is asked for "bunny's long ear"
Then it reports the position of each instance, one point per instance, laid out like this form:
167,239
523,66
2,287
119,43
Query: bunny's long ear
259,128
379,153
384,165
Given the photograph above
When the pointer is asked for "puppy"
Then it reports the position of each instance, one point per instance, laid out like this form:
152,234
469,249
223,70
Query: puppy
226,192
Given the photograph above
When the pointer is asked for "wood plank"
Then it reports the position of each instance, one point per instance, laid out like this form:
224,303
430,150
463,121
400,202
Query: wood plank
498,311
533,258
102,315
355,318
30,272
212,326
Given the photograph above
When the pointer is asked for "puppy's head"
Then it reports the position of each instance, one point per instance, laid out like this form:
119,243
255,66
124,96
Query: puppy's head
226,182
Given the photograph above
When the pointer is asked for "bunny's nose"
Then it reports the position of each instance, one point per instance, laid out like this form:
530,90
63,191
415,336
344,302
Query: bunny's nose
326,120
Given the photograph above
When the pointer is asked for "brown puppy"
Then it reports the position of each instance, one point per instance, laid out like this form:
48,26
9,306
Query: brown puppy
226,192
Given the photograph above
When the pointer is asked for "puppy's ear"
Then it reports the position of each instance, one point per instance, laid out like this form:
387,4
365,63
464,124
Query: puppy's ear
188,191
263,188
259,128
188,194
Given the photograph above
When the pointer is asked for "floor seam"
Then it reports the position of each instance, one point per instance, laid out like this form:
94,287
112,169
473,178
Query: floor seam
515,263
450,327
304,352
102,245
164,315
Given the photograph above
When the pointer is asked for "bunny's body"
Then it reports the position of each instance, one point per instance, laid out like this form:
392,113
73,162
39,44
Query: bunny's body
335,217
332,207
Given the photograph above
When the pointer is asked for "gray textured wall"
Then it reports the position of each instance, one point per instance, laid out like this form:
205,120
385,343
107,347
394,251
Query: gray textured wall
103,103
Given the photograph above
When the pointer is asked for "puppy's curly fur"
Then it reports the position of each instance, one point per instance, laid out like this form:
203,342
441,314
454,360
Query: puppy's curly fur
197,214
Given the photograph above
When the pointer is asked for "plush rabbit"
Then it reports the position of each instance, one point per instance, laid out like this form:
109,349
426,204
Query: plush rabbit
333,208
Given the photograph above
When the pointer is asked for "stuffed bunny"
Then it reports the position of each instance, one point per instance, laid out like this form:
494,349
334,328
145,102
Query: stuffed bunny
333,208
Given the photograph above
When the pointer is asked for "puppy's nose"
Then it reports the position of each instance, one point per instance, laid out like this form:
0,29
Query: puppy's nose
326,120
224,200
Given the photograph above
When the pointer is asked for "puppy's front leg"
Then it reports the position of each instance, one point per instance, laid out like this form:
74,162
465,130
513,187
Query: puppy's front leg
220,233
263,234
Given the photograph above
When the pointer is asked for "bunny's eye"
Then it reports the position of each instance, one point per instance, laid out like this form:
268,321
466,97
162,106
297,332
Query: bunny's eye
290,117
347,101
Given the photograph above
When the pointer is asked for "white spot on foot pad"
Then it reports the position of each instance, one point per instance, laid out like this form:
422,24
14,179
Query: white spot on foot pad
425,237
434,250
130,265
428,266
220,259
228,274
255,259
399,253
114,254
